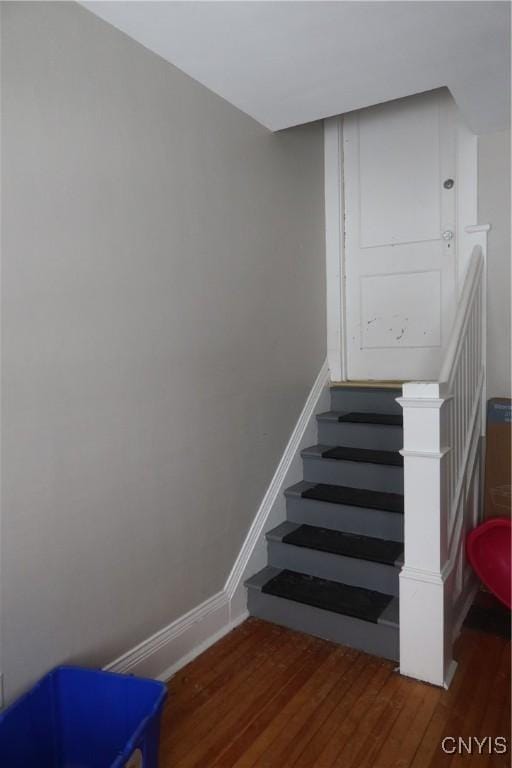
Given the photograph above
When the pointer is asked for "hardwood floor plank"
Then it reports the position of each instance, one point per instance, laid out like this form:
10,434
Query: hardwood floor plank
316,720
274,742
341,738
429,750
365,669
496,717
474,708
407,732
361,750
255,697
238,753
198,682
204,717
268,697
234,643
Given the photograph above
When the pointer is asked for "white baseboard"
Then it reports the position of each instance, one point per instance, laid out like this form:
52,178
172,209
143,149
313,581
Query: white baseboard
174,646
164,650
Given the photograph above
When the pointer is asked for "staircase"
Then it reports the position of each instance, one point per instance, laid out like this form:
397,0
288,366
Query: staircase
333,566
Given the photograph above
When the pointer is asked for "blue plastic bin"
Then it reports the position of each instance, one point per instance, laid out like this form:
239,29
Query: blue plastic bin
83,718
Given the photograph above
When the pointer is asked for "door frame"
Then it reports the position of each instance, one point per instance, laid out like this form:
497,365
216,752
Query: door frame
335,247
334,190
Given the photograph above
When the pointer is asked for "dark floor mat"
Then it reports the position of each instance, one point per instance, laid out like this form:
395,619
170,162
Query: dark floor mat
341,453
356,497
347,544
388,419
330,595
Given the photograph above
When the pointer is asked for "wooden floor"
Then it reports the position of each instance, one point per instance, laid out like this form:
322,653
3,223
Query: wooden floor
268,697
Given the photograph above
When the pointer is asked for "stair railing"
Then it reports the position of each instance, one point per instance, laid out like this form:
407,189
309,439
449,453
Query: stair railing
444,422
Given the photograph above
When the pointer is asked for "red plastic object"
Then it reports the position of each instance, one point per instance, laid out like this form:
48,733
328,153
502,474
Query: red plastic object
489,552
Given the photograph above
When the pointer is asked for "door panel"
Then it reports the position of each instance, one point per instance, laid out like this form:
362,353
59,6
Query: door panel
399,271
383,329
399,172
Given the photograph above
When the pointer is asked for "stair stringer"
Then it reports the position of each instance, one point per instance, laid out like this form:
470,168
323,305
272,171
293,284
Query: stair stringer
272,510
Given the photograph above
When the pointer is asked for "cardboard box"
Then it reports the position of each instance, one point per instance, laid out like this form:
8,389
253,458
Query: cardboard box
498,459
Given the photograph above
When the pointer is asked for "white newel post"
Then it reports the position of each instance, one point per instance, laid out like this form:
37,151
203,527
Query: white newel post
425,623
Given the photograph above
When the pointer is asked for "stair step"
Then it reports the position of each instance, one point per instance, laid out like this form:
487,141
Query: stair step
381,431
360,561
358,417
367,399
360,618
357,602
347,544
341,517
334,564
356,467
356,497
368,455
395,384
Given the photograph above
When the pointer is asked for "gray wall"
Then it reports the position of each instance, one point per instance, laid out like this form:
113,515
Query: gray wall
163,313
494,209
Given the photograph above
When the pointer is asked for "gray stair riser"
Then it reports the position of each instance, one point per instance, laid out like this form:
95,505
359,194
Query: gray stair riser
377,639
339,517
327,565
374,436
355,474
366,401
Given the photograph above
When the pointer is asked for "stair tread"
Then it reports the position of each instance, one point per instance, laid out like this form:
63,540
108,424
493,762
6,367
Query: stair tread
357,417
360,417
346,544
366,455
357,602
355,497
368,386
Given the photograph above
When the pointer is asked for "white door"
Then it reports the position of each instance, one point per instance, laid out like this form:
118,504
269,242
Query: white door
400,244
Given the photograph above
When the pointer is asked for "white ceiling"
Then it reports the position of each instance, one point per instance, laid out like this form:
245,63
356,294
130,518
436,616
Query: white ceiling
286,63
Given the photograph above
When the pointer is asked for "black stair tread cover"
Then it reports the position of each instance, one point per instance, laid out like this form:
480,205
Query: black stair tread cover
332,596
348,544
356,497
390,419
342,453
